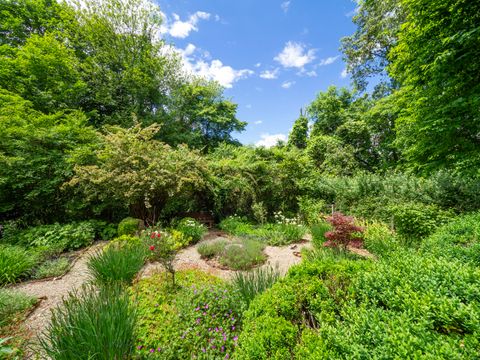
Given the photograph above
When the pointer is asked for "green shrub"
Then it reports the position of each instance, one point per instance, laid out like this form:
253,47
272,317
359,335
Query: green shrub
259,212
57,237
415,221
250,284
311,210
92,324
235,225
318,231
125,241
129,226
104,230
459,240
50,268
195,320
243,255
12,304
116,264
210,249
15,263
191,228
379,239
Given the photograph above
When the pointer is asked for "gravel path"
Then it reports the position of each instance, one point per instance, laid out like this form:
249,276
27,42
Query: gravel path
52,291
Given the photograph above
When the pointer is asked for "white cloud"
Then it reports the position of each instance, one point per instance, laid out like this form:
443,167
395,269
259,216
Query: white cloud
181,29
258,65
344,73
310,73
213,70
288,84
268,140
285,5
269,74
328,61
258,122
295,55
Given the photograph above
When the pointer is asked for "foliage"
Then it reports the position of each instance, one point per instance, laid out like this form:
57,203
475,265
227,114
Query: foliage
434,62
125,241
252,283
93,323
56,237
133,169
379,239
416,221
52,268
344,232
299,134
13,303
116,264
200,318
318,231
310,210
238,254
259,212
129,226
15,263
190,228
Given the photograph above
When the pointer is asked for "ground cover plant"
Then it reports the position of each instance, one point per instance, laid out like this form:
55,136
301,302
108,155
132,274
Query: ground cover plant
236,254
52,268
199,318
93,323
252,283
15,263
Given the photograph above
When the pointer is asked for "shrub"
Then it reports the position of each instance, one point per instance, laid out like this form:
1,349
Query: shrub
344,232
250,284
164,248
210,249
94,324
190,228
50,268
199,319
235,225
259,212
125,241
243,255
318,231
129,226
310,210
116,264
416,221
13,303
57,237
15,263
379,239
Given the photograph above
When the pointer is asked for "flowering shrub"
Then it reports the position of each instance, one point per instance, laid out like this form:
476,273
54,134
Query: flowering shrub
192,229
163,248
200,319
344,232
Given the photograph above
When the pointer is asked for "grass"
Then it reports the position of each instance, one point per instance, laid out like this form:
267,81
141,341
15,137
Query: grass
52,268
250,284
318,231
15,263
92,324
116,264
240,254
12,305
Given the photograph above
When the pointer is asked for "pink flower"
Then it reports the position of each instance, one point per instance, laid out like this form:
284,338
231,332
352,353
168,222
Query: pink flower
152,247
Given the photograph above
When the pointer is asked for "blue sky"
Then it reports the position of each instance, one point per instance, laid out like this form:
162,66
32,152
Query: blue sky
272,56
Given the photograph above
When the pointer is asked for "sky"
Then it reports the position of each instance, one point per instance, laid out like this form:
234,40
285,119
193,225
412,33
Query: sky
272,56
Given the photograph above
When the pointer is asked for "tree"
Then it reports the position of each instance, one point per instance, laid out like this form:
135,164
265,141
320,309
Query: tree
33,158
298,135
139,172
366,51
436,63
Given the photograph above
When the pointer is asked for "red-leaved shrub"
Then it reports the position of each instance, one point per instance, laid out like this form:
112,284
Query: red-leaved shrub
345,232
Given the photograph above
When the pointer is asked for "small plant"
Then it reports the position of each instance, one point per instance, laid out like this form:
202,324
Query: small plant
259,212
345,233
192,229
208,250
164,248
15,263
93,324
116,264
50,268
250,284
13,303
318,231
129,226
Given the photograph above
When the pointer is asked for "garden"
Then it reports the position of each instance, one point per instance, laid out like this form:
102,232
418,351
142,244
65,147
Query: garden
134,225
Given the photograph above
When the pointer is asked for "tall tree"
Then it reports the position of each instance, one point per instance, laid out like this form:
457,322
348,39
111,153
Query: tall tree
436,63
299,134
366,51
